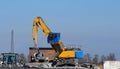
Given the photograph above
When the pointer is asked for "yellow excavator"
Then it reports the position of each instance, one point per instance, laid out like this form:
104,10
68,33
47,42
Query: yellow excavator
64,56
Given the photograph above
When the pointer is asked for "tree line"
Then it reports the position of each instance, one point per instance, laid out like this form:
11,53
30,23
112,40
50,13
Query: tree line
96,59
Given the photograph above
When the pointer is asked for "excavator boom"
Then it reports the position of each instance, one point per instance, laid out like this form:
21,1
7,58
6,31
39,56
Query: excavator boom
38,22
53,38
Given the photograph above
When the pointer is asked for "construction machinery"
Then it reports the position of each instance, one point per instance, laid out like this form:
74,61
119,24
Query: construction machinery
64,56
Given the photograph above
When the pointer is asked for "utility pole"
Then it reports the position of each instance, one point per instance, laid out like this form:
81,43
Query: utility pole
12,41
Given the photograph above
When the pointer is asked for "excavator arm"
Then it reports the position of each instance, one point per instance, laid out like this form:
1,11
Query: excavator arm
53,38
39,23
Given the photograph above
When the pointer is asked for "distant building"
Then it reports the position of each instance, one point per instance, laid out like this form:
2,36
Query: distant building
112,65
48,52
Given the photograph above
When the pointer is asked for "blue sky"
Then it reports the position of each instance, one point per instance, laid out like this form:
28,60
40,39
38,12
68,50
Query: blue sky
91,24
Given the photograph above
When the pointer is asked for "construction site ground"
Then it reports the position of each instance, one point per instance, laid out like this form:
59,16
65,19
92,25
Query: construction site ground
44,68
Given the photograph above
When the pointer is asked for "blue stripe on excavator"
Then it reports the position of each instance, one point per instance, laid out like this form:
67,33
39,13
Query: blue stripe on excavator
79,54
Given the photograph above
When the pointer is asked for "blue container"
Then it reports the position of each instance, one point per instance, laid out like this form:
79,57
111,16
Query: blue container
53,37
79,54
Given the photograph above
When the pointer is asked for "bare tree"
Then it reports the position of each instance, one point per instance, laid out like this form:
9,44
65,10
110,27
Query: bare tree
96,59
22,58
111,57
103,58
87,58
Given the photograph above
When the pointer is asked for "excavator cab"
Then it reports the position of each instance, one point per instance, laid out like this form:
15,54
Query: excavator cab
53,37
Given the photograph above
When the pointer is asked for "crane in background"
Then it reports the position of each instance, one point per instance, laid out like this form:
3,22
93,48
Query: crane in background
64,56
